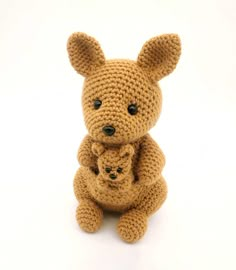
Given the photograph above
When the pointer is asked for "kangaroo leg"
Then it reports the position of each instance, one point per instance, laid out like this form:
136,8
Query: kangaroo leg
88,214
152,197
133,224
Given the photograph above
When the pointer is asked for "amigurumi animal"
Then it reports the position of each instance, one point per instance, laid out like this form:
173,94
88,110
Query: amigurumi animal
115,172
121,102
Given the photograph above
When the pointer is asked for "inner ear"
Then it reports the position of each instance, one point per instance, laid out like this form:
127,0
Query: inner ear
126,150
85,53
160,55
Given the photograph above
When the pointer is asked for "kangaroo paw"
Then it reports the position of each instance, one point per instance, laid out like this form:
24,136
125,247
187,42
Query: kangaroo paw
89,216
132,225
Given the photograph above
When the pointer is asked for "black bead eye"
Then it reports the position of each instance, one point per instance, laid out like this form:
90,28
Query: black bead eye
108,170
119,170
132,109
96,104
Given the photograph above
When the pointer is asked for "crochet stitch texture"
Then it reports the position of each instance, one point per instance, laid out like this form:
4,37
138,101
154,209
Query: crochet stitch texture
121,164
114,166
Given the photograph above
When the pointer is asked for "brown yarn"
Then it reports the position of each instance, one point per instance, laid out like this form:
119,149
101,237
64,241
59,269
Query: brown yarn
138,190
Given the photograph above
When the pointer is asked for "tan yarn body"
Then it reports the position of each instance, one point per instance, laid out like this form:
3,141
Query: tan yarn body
146,199
140,189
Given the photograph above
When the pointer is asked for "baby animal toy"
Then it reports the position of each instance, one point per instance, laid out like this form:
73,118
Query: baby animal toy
115,172
121,165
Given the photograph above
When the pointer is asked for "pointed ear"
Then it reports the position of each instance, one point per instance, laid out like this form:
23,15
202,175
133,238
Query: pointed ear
160,55
98,149
126,150
85,53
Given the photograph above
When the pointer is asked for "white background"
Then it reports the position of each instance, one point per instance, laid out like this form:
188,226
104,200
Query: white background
41,127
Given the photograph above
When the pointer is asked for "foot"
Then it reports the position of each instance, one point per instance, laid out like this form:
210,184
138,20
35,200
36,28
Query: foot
89,216
132,225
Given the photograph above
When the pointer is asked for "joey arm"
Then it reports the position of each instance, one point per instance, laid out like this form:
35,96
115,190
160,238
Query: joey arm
151,161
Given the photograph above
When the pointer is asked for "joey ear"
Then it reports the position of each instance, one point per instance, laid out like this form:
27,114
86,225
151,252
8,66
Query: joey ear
160,55
98,149
85,53
126,150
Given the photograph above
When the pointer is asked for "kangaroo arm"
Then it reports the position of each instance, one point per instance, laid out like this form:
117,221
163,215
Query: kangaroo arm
151,161
85,155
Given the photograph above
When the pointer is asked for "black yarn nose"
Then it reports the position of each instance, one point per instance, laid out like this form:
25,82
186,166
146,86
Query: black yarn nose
108,130
112,176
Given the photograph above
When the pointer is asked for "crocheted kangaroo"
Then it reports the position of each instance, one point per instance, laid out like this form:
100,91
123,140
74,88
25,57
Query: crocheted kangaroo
121,102
115,172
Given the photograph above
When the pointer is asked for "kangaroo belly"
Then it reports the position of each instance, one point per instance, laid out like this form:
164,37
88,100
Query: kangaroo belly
110,198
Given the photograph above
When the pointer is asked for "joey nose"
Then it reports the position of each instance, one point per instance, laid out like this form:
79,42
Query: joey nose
108,130
112,176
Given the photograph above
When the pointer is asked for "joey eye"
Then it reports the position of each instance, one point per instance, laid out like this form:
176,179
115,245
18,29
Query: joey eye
132,109
119,170
97,104
108,170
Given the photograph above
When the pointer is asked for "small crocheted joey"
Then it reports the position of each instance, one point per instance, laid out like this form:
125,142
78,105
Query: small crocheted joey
114,165
121,102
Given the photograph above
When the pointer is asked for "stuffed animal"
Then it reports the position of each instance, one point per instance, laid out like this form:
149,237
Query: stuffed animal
114,170
121,102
